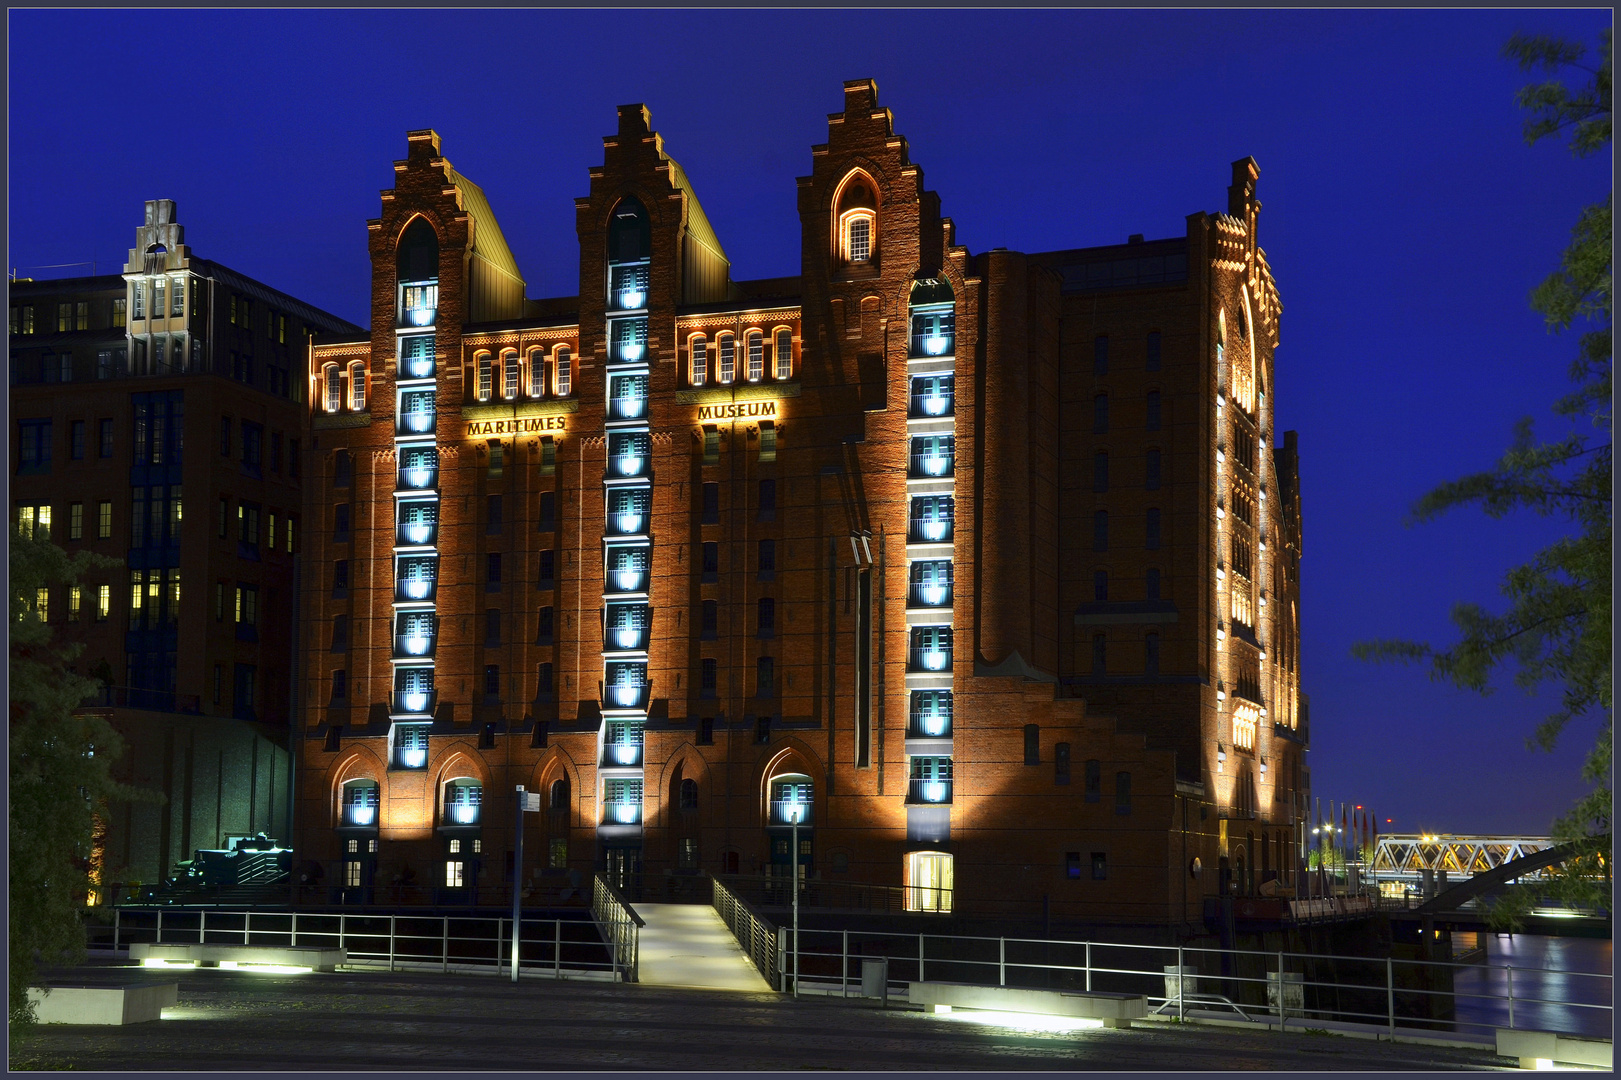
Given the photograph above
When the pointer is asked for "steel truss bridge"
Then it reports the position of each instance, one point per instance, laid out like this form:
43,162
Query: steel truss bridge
1411,858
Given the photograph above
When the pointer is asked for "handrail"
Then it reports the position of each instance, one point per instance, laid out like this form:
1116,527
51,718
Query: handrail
755,934
620,924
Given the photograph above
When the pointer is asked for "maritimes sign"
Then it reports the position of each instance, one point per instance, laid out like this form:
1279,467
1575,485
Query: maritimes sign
738,410
516,427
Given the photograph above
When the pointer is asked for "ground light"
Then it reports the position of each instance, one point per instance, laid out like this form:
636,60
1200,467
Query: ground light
1023,1021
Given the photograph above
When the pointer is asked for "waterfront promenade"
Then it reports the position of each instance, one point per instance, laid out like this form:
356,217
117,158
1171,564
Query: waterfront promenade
240,1021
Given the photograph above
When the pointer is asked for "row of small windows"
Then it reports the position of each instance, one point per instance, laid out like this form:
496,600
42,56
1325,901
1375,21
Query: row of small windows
720,364
536,375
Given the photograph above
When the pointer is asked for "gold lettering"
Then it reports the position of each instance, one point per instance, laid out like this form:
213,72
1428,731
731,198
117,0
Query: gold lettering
738,410
477,428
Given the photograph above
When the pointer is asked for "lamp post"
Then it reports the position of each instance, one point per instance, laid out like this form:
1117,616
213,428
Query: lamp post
795,810
526,800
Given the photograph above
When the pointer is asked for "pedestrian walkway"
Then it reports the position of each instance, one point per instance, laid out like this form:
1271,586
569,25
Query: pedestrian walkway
689,945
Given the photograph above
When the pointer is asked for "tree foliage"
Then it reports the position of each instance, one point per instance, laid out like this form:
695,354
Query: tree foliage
60,775
1556,629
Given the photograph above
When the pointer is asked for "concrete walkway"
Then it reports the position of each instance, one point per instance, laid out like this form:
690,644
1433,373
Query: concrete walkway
689,945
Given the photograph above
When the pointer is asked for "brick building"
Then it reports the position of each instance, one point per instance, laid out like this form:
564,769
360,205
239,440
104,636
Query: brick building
984,566
175,386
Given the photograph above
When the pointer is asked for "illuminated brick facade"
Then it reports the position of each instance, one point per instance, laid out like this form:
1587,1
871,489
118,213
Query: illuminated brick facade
690,556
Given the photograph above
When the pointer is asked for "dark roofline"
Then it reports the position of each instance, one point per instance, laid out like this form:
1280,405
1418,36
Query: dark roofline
1111,251
305,310
85,281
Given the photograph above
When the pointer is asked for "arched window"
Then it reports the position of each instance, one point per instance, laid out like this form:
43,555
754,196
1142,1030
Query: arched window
463,799
698,357
537,373
357,386
688,798
360,801
933,307
418,274
784,354
484,376
559,794
333,386
858,222
726,368
563,372
756,347
509,374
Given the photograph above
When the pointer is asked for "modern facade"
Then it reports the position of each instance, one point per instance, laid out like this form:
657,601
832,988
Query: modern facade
983,568
175,388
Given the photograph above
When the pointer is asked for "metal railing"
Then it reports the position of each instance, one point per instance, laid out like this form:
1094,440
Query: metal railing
773,892
1388,993
620,924
758,938
558,948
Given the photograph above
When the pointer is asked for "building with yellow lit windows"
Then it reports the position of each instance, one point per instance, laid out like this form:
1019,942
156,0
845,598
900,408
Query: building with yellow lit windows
982,567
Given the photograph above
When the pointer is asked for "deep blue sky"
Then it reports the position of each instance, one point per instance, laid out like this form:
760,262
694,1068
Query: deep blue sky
1405,219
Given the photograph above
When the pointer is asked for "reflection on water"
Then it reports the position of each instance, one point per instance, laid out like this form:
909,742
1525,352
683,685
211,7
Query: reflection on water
1572,966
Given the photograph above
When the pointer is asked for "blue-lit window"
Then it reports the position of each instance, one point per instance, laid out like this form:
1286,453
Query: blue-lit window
414,577
419,467
416,357
628,453
930,780
933,455
630,287
626,626
418,522
417,409
414,633
622,742
792,800
623,799
627,684
931,712
419,302
930,583
360,802
627,511
933,395
627,569
931,519
627,397
931,648
410,746
934,332
413,690
630,340
463,800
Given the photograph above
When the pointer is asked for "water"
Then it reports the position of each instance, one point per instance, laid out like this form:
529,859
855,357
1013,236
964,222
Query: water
1571,964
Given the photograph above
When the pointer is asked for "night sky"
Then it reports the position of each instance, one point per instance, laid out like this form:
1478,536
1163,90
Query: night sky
1404,217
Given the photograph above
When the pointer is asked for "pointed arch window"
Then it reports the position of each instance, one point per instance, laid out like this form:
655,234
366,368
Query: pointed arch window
857,222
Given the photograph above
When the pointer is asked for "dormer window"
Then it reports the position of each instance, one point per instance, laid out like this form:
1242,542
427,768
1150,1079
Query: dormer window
858,222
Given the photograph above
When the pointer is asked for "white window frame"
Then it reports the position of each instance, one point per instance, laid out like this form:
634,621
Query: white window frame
334,387
784,354
847,236
510,380
756,353
357,386
726,361
698,359
537,373
482,362
563,372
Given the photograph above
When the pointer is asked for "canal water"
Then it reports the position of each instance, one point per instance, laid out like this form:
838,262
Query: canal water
1556,985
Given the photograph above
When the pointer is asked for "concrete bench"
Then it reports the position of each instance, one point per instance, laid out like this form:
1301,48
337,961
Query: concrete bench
1533,1046
1115,1010
155,954
131,1003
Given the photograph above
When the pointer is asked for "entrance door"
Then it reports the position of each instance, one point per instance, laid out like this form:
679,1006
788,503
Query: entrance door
623,866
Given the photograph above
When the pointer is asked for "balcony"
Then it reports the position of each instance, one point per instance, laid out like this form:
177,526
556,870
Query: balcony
628,290
415,421
932,403
929,594
624,696
622,754
627,407
419,302
632,580
928,792
783,812
413,703
463,812
419,366
361,815
934,658
629,341
930,530
413,589
420,472
622,813
416,533
628,517
625,639
628,456
933,725
932,457
415,642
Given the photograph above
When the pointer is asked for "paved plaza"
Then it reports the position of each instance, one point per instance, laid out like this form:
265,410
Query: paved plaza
346,1021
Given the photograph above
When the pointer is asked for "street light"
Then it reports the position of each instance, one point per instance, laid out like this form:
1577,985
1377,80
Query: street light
795,811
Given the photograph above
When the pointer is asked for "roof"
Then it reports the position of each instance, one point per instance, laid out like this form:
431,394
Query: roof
488,243
698,227
309,313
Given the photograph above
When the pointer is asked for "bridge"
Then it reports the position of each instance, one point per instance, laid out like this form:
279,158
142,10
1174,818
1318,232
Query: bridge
1423,862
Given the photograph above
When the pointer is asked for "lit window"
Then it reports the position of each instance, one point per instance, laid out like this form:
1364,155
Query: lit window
858,238
727,368
930,780
756,345
784,354
484,376
928,881
120,311
537,373
351,873
357,386
453,872
463,798
177,302
333,386
104,602
75,602
76,521
360,801
699,361
564,372
509,375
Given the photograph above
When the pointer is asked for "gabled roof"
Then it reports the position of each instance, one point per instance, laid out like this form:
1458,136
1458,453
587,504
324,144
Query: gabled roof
488,243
